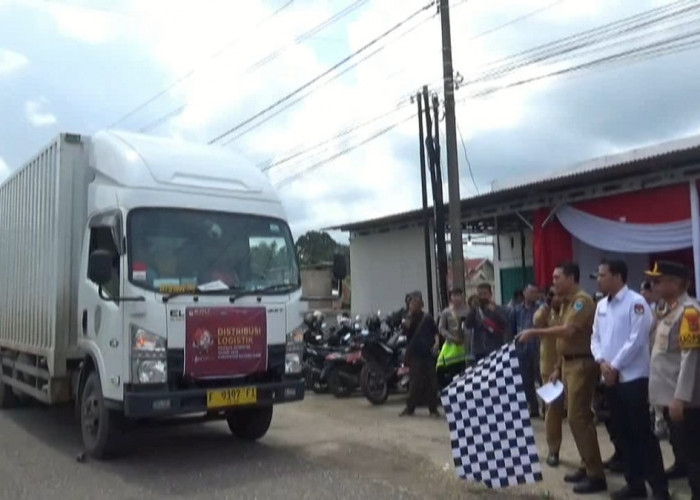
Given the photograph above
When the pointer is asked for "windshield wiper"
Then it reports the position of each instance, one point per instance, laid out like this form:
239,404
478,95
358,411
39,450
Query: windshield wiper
279,287
242,292
222,291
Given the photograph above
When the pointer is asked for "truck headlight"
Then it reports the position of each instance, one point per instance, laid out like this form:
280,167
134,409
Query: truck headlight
294,350
292,363
151,371
148,357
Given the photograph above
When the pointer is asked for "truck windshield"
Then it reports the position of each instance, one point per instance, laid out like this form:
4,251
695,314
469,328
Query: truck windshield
188,250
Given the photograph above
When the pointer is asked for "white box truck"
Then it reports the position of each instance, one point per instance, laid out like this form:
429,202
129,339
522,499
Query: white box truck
146,278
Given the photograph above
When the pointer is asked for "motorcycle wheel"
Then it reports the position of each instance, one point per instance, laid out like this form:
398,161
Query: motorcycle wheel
374,385
337,385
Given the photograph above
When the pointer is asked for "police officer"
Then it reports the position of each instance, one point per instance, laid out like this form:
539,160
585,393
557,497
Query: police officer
674,382
579,371
546,316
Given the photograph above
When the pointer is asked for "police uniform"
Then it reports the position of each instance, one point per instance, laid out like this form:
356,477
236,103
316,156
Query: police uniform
545,317
580,374
675,372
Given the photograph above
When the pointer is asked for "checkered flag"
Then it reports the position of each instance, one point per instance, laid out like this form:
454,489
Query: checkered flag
492,437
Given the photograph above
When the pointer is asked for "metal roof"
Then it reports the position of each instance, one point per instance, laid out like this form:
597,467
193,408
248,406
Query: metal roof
646,160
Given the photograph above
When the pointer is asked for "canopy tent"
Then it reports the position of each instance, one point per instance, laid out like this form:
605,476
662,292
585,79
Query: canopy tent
642,225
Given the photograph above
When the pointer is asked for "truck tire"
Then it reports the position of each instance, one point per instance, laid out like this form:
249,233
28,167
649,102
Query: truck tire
100,427
7,396
250,424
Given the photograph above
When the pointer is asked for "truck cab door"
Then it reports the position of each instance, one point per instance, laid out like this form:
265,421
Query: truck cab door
102,328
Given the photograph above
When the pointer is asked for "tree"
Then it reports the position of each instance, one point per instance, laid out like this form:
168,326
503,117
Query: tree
315,247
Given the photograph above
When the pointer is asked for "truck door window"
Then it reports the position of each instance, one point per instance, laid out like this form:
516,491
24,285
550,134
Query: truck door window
101,239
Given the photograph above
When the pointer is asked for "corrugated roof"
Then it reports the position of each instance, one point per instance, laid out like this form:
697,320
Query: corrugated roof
680,152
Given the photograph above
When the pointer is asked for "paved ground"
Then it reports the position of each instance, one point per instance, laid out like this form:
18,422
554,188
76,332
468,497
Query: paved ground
320,448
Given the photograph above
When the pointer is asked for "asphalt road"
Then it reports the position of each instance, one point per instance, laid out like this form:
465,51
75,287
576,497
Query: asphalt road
305,455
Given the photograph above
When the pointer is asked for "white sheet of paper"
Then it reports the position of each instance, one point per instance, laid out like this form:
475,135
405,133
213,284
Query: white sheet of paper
551,391
212,286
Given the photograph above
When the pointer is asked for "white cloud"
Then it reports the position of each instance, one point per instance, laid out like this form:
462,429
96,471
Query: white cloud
11,61
36,116
84,23
4,170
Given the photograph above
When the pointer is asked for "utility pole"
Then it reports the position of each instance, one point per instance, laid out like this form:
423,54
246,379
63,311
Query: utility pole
433,148
424,193
455,215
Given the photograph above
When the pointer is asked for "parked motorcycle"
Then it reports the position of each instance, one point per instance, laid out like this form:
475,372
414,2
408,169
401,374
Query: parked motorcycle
384,370
342,368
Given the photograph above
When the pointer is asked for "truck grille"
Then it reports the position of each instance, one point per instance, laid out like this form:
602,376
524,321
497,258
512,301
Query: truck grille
177,378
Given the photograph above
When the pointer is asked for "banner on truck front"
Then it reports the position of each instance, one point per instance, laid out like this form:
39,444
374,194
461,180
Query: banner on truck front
225,341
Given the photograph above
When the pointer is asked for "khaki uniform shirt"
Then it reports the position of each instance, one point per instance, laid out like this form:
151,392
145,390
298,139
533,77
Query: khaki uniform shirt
545,317
675,357
577,310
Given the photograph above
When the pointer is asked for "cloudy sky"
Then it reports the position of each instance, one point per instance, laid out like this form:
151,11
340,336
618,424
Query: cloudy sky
80,66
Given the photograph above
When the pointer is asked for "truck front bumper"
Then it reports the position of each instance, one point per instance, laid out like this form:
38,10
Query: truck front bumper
173,403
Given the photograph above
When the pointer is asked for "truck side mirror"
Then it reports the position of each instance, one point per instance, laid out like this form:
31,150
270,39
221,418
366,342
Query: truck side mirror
100,267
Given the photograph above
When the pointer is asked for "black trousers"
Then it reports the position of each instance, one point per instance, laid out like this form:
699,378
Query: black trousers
633,431
691,428
676,437
529,370
422,384
603,402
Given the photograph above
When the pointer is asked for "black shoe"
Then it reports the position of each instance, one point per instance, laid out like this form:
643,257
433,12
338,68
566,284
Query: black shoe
615,464
676,471
591,485
636,491
553,459
435,414
406,413
575,477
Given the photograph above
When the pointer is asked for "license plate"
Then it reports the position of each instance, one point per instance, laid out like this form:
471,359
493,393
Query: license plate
222,398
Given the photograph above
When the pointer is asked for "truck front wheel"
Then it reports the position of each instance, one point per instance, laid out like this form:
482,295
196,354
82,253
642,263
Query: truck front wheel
7,395
250,424
98,424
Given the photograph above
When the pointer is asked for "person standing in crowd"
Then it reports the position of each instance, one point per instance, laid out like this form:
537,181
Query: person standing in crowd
579,371
674,383
487,322
518,298
452,359
423,339
549,315
660,426
620,346
521,318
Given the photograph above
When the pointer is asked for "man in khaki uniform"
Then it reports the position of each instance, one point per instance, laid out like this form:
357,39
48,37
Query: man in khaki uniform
674,381
579,372
546,316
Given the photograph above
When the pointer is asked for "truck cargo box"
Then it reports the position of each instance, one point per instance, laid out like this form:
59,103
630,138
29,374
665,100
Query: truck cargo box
42,218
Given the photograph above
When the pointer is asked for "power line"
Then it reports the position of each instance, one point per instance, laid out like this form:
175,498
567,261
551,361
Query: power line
345,151
292,155
271,56
656,49
326,82
318,77
191,72
466,157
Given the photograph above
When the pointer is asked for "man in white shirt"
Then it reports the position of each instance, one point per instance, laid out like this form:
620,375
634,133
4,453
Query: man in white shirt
620,345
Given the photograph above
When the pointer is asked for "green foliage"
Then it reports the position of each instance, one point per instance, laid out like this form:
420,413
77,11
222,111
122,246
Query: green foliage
316,247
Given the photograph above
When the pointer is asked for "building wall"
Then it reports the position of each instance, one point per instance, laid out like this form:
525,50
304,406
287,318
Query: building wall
386,266
510,255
